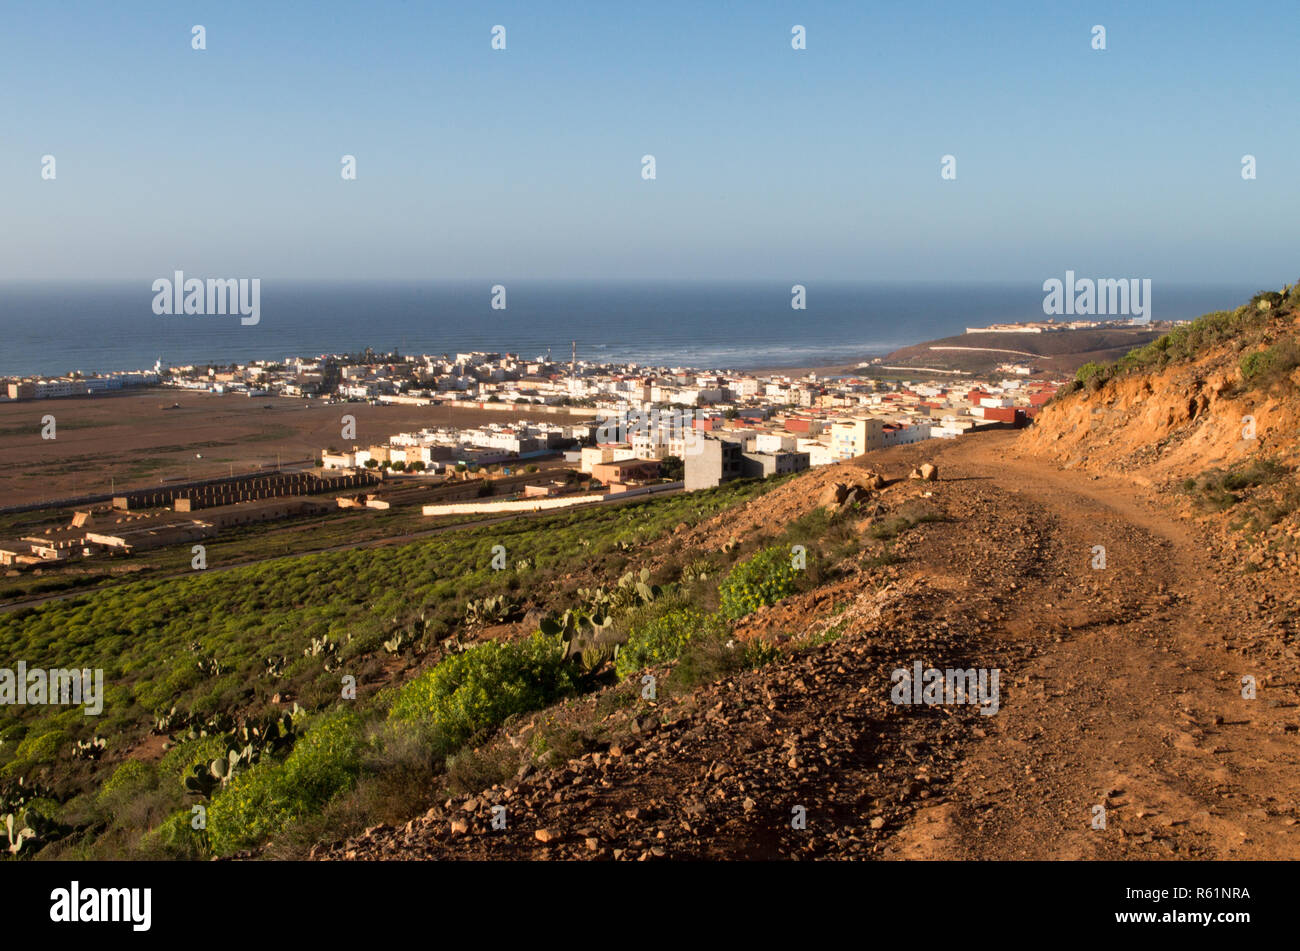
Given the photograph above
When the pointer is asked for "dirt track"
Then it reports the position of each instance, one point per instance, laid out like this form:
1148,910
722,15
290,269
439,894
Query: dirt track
1120,687
1137,706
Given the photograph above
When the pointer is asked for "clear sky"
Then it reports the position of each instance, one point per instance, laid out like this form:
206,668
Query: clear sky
772,163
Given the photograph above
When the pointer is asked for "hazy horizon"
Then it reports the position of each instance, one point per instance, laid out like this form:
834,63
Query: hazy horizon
53,327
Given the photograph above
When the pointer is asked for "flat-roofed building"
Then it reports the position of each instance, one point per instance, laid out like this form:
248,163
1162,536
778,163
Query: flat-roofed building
605,452
626,471
760,465
715,462
137,537
854,437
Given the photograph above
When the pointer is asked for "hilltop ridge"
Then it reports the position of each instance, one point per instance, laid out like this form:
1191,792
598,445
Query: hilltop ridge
1210,393
1208,414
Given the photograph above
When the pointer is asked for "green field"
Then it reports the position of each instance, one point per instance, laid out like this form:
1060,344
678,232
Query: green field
223,658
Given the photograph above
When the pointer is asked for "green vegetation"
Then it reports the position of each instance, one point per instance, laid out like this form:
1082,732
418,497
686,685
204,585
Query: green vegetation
1259,494
211,661
1266,512
482,687
201,657
714,656
1264,368
37,749
1248,326
664,639
268,797
1220,489
895,525
672,468
700,641
764,579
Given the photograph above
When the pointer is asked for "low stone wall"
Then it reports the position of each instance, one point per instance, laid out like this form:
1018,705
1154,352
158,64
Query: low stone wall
526,505
538,505
194,497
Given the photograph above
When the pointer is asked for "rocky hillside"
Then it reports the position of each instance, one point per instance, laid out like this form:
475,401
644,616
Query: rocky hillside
1119,692
1185,402
713,675
1121,678
1209,413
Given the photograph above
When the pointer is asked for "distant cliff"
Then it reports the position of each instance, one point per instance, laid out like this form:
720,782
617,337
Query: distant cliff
1058,353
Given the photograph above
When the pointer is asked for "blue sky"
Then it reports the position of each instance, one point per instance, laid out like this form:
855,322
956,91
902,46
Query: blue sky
772,163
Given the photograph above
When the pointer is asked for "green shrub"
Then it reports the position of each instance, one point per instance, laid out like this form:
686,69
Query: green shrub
38,749
1183,343
14,731
663,639
1092,375
1258,472
262,801
480,688
760,653
670,599
1218,489
128,781
177,838
764,578
181,758
470,771
714,656
1266,367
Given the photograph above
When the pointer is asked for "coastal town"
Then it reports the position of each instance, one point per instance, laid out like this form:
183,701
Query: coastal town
547,434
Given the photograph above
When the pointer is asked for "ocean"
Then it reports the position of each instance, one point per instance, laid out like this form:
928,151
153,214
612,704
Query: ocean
54,328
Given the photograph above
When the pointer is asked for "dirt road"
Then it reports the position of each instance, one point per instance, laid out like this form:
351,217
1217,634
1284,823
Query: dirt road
1134,703
1120,697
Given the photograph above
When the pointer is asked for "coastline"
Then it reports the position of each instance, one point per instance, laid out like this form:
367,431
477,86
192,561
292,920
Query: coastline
821,369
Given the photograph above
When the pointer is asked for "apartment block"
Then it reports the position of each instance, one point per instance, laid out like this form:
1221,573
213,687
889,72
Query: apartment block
853,437
715,462
760,465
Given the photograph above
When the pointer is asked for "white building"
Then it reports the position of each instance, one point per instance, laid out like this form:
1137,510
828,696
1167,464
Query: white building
774,442
819,453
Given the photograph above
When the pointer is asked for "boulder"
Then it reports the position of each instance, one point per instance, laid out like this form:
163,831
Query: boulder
833,494
925,472
852,497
